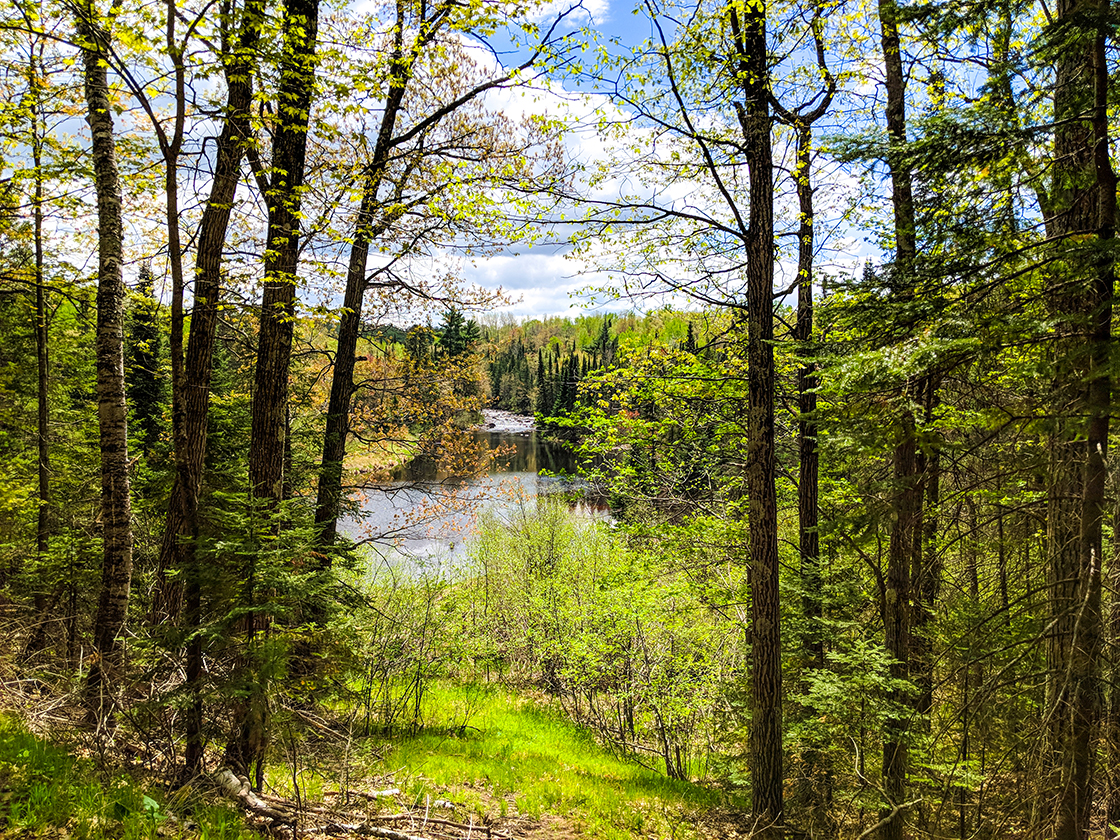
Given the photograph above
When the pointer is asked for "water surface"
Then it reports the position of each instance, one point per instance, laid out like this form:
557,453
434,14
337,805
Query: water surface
424,516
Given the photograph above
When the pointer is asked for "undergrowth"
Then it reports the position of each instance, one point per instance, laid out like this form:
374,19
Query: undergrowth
47,792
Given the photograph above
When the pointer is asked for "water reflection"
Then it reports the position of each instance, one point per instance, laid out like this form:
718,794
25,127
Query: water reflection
506,453
423,518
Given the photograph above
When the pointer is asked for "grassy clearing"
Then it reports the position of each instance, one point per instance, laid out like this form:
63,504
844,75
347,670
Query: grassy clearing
45,792
500,756
494,756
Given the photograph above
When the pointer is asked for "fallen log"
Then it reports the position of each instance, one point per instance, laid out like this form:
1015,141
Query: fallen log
238,787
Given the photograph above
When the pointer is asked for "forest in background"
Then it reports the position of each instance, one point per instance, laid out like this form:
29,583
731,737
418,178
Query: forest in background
862,573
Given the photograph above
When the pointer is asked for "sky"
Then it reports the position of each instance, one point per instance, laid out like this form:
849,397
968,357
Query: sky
546,280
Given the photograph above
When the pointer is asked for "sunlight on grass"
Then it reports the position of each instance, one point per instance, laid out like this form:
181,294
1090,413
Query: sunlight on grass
46,792
487,749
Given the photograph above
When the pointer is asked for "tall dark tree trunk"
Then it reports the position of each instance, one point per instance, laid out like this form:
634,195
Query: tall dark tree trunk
368,226
1112,722
766,754
289,155
178,550
809,460
926,575
270,392
44,600
42,354
817,778
1084,203
191,373
328,501
896,624
116,510
907,462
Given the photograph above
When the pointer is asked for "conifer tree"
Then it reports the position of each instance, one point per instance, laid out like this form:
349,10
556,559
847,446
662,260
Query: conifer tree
142,373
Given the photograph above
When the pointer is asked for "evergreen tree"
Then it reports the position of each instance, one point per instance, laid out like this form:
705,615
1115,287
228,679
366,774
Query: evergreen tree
142,375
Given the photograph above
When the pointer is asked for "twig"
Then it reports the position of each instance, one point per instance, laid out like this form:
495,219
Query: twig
371,795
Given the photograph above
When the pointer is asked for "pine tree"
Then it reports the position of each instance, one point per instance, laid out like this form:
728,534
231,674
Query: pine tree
142,375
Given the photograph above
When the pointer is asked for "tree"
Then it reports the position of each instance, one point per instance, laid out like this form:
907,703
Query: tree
801,120
896,595
282,187
181,533
711,149
393,183
112,609
142,371
1082,205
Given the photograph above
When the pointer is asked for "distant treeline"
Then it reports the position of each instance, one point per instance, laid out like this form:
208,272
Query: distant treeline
536,367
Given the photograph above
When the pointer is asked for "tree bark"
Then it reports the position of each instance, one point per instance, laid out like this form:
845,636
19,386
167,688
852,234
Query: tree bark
289,154
270,392
926,575
328,501
766,754
1112,722
44,601
178,548
906,492
817,781
42,346
1084,201
116,509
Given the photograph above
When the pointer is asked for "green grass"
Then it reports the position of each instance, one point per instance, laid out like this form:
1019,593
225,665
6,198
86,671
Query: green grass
516,752
493,753
47,792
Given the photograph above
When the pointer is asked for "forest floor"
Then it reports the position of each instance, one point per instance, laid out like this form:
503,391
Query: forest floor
488,763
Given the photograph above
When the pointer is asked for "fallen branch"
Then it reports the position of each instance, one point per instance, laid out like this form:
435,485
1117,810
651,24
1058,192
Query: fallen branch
239,788
437,821
365,829
893,813
371,795
310,809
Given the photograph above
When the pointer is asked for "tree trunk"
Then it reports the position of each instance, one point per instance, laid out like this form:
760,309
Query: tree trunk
809,460
817,782
44,601
926,575
274,349
1112,723
1084,201
766,755
329,495
328,500
116,580
906,493
289,154
177,550
42,357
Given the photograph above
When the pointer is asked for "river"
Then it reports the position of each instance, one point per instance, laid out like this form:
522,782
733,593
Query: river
424,517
